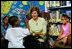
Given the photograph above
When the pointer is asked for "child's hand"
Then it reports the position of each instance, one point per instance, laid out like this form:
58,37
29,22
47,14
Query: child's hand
57,39
62,36
33,34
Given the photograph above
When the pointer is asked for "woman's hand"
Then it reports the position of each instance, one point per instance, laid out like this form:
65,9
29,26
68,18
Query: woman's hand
37,34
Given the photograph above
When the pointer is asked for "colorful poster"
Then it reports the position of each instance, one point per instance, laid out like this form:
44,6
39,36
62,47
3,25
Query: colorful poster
41,2
5,6
24,2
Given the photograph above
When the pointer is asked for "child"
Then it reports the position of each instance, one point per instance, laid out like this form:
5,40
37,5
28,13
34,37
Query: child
4,26
15,34
65,30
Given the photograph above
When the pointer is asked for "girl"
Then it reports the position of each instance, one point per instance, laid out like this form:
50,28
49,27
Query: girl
65,30
4,26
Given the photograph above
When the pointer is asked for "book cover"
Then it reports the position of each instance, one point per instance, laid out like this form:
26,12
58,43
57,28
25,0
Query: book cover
68,3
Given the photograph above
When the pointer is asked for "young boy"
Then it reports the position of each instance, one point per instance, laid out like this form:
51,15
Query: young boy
15,34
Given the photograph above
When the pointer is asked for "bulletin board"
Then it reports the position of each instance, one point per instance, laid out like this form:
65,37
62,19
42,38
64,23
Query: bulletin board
19,8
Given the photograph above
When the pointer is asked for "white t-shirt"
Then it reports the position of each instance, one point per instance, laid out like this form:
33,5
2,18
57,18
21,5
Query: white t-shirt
15,37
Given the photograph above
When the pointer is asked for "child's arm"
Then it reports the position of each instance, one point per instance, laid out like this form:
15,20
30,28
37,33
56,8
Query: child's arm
60,37
7,35
25,32
61,32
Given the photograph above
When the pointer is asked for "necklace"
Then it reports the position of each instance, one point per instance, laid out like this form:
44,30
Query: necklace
36,23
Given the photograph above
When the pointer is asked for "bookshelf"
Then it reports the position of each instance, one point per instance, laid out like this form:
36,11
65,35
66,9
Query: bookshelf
56,8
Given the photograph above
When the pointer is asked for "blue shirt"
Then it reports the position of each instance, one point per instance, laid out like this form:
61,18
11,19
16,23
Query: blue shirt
3,30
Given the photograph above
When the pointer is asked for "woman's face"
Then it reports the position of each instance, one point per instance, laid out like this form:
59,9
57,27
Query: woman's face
63,20
34,15
5,20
